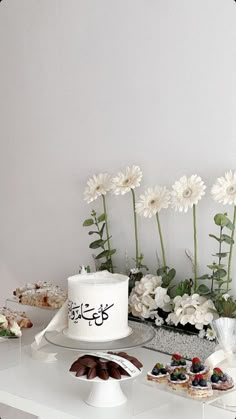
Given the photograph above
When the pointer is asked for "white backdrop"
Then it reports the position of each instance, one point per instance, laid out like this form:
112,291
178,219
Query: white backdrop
92,86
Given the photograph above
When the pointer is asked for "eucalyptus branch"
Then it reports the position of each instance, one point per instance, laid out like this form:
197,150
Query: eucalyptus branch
107,231
231,250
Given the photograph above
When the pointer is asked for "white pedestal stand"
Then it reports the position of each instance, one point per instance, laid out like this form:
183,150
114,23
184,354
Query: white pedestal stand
105,393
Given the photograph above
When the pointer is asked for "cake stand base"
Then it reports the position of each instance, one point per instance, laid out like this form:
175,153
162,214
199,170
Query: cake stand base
105,394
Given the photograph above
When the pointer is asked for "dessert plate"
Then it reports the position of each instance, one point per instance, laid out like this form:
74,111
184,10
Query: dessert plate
142,333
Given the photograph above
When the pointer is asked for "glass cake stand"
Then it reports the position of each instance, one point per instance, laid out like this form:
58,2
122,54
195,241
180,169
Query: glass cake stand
142,333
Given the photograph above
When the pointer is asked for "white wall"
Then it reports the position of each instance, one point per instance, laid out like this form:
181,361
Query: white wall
92,86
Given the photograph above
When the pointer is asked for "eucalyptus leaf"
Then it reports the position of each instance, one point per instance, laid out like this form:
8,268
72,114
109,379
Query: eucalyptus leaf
221,220
93,232
102,229
101,218
206,276
96,244
219,274
222,255
214,237
203,289
215,266
227,239
230,226
88,222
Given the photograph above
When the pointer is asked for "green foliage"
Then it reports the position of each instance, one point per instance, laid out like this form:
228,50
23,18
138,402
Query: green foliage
139,262
99,222
225,307
184,287
167,275
218,274
6,332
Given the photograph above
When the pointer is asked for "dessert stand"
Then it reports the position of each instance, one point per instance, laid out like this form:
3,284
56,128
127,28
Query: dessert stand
105,393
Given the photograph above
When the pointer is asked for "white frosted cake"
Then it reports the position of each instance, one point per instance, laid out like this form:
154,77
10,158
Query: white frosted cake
98,307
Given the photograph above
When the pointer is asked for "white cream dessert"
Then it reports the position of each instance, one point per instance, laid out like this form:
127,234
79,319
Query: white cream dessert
98,307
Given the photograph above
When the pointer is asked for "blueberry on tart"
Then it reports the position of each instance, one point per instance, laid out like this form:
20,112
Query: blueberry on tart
178,379
200,387
158,374
197,367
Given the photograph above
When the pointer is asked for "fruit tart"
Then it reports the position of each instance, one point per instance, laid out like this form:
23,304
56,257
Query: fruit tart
220,380
178,379
177,361
197,367
158,374
200,387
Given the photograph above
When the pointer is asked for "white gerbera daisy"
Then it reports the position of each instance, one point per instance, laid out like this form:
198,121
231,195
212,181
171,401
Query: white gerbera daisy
125,181
97,185
187,192
210,334
152,201
224,190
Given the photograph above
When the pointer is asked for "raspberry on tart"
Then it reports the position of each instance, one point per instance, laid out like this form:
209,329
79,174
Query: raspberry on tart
197,367
176,362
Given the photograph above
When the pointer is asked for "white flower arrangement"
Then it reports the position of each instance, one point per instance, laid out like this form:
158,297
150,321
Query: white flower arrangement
142,300
9,328
193,309
188,302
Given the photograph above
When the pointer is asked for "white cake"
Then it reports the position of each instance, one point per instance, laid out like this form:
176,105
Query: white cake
98,307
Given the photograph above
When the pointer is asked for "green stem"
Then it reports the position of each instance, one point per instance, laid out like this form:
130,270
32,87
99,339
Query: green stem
135,231
161,240
107,231
231,250
195,247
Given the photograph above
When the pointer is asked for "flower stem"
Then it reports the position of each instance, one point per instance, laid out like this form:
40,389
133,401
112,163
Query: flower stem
135,231
195,247
161,240
231,250
107,231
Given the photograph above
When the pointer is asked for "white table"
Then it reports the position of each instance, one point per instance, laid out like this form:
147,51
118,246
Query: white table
49,392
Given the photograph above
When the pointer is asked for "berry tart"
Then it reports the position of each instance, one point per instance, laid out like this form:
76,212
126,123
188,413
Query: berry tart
177,361
221,381
200,387
197,367
178,379
158,374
